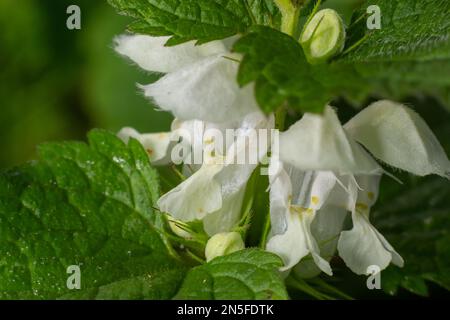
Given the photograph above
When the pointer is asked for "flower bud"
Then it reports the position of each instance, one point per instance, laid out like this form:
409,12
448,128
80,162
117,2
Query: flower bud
222,244
323,36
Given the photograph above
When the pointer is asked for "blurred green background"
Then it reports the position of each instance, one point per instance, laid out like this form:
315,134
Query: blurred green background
56,84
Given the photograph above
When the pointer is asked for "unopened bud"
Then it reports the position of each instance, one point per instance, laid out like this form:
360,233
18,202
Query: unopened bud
222,244
323,36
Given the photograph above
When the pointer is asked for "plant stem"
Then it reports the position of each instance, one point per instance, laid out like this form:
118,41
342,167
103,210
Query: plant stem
195,257
178,173
290,15
266,230
289,22
330,288
302,286
280,118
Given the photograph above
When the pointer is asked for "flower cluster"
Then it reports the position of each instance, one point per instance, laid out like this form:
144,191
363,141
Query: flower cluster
324,172
320,171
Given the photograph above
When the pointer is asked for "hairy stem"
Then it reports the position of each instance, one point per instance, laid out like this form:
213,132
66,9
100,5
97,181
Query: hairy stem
290,11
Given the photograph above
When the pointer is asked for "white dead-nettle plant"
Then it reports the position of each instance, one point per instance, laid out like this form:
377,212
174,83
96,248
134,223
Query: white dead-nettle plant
320,173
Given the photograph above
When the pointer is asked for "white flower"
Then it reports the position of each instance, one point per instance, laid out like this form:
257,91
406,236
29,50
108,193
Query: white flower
319,142
159,145
295,198
151,54
321,162
194,191
325,229
186,134
399,137
215,192
155,144
201,90
200,82
363,246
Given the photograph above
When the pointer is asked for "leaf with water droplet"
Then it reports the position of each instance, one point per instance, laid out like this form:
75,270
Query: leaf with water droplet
80,206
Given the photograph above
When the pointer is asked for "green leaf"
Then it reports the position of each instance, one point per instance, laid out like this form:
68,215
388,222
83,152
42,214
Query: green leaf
416,222
247,274
202,20
412,73
86,205
277,65
409,55
410,30
265,12
400,79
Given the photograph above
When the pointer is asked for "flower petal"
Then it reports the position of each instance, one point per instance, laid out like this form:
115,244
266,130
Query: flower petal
290,246
361,247
400,137
292,214
196,197
219,178
326,229
319,143
396,258
297,242
368,187
151,54
156,144
280,196
364,246
234,176
226,218
307,218
206,90
315,189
